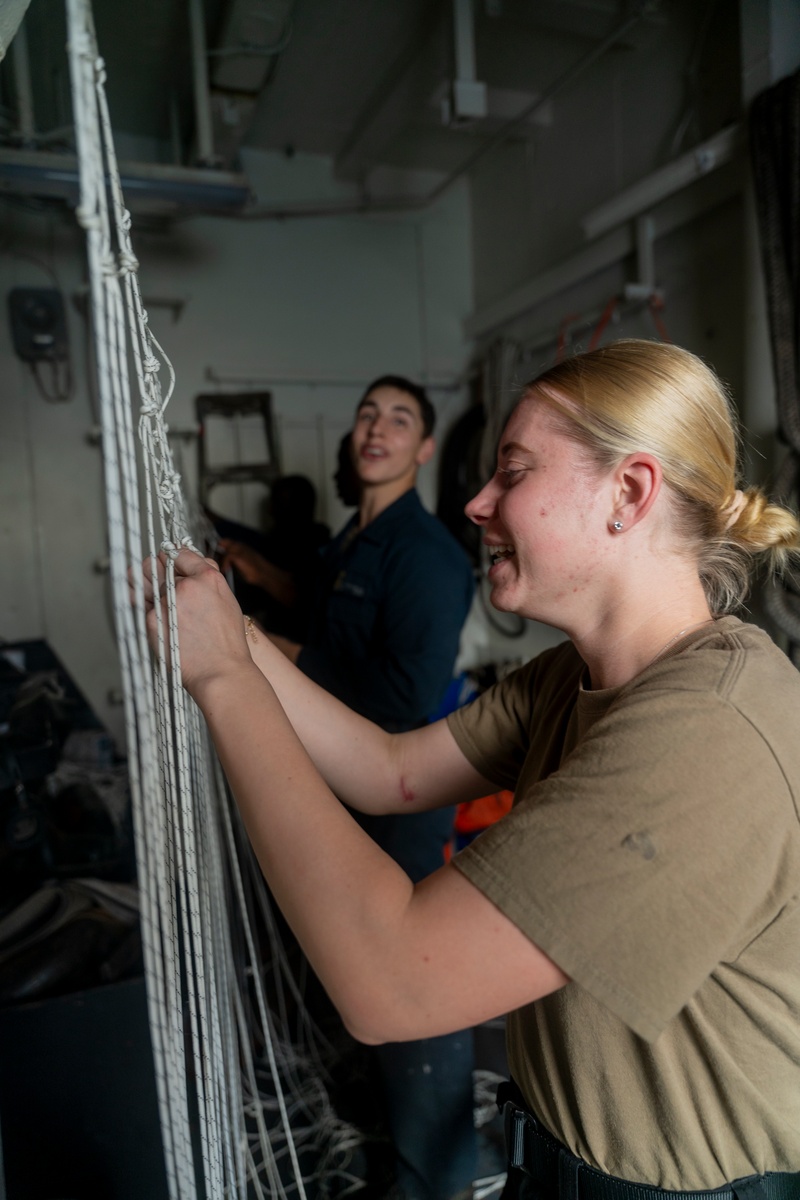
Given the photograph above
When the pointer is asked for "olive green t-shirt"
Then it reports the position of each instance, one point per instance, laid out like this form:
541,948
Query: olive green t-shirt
653,852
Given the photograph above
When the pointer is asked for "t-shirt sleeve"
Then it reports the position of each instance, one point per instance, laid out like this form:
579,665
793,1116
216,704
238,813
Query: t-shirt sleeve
655,852
494,732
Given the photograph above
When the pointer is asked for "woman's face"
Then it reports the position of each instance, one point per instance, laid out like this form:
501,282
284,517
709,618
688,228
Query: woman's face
545,514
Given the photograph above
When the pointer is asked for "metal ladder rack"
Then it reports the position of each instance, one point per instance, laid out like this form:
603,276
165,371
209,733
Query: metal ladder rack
231,407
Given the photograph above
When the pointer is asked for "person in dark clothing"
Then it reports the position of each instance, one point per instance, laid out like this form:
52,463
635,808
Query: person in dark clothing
274,572
378,638
348,487
394,591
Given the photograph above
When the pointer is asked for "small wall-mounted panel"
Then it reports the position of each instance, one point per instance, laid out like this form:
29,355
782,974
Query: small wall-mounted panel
38,324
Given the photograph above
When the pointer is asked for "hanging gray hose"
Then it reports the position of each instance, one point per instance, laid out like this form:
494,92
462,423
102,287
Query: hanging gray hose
775,153
775,156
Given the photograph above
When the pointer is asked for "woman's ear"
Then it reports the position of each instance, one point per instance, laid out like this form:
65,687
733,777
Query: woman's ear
637,483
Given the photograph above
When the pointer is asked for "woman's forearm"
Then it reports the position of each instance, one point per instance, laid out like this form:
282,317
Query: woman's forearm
340,893
371,770
335,738
385,950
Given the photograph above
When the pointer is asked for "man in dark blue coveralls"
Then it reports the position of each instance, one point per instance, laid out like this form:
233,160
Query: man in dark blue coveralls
394,593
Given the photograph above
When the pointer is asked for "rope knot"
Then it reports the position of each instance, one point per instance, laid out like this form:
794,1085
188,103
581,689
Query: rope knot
170,549
87,217
128,263
108,266
82,43
151,365
166,488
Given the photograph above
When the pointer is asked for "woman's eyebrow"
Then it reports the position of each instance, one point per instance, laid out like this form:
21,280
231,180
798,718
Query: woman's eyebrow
518,447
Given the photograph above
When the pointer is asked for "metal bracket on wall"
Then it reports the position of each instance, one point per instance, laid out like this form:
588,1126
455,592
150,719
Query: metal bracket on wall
645,286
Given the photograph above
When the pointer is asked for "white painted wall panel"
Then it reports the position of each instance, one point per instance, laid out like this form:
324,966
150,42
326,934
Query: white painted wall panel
310,310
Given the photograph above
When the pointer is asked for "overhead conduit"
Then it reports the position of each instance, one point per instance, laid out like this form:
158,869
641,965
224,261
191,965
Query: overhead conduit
367,204
55,174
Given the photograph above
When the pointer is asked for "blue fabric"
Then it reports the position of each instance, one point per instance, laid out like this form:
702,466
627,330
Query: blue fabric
391,604
384,639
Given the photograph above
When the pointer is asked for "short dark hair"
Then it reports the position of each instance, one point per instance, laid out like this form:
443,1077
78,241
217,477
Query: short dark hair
426,409
293,499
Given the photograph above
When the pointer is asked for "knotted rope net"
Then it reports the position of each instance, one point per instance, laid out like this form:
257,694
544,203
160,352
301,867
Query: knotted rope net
226,1116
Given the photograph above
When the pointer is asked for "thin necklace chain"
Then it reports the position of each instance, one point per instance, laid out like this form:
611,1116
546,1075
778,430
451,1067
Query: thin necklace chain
678,636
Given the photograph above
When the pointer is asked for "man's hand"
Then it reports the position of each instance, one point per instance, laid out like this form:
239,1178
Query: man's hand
247,561
256,569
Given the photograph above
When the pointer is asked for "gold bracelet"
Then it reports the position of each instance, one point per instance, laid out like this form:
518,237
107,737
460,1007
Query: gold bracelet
250,629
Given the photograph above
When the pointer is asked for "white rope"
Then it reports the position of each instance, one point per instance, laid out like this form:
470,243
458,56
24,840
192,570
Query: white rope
186,851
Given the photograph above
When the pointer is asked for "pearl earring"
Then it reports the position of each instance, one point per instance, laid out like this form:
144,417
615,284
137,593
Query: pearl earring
618,525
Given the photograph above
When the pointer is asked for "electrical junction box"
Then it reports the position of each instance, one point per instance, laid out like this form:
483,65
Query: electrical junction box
38,324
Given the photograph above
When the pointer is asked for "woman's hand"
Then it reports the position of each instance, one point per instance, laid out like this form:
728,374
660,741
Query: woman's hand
211,637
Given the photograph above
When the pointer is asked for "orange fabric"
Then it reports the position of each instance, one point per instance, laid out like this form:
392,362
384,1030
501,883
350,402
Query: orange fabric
480,814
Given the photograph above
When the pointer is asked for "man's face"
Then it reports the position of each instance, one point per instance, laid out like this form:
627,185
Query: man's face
388,438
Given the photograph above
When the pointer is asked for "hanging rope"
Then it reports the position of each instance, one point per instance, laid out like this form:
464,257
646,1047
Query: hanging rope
214,1097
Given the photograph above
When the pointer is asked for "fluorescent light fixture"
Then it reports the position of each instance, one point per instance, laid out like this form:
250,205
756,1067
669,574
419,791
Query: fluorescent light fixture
648,192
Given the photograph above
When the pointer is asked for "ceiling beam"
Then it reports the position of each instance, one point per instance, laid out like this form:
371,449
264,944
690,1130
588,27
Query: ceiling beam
384,116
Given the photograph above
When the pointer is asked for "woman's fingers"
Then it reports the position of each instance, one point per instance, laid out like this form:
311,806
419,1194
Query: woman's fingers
210,628
145,573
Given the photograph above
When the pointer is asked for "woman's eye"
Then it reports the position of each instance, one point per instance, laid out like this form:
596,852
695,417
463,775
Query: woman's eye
509,474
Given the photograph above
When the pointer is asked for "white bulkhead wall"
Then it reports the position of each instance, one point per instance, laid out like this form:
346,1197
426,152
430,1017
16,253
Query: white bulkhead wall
310,310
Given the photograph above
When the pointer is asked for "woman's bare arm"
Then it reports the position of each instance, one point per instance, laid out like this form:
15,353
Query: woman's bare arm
400,961
373,771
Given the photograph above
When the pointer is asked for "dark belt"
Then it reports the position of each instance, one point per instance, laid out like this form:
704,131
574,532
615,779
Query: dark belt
560,1174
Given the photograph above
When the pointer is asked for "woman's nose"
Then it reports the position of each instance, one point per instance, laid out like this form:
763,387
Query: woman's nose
481,507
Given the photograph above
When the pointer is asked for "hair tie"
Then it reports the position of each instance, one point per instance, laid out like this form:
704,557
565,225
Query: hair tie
733,510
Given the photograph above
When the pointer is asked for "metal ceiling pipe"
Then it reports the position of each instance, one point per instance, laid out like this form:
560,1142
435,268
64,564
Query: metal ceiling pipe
202,99
468,96
22,84
641,9
465,39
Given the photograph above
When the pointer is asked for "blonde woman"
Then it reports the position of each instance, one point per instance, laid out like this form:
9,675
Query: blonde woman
637,912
